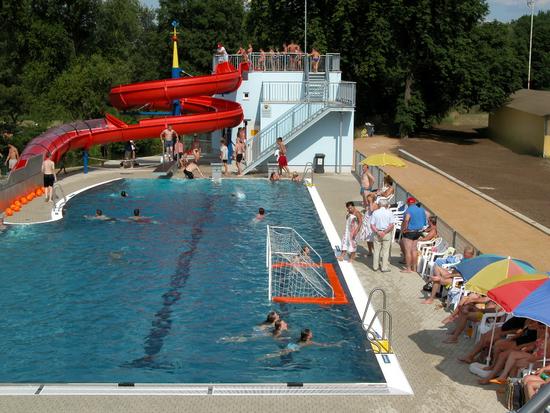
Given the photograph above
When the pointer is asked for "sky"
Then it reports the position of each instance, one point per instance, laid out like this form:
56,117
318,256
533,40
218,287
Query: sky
502,10
506,10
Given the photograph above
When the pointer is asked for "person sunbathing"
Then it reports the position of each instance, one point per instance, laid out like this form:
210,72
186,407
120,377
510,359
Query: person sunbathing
515,327
473,311
533,382
443,276
511,361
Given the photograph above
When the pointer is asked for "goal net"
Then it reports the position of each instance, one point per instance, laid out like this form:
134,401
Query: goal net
295,269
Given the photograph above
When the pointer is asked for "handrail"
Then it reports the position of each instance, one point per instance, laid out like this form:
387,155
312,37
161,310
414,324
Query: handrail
384,302
282,62
386,316
308,167
291,120
341,93
386,333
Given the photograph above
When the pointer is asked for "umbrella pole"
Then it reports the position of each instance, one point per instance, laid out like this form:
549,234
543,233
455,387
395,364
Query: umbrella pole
488,362
545,343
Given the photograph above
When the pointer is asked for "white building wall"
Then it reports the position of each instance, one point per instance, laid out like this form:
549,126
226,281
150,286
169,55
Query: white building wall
323,137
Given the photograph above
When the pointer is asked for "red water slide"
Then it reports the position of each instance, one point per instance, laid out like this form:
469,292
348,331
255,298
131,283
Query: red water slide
207,113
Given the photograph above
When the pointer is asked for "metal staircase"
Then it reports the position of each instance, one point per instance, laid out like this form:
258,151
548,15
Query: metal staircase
314,99
288,126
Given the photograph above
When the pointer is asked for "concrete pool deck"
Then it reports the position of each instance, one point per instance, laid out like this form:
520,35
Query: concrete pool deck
436,377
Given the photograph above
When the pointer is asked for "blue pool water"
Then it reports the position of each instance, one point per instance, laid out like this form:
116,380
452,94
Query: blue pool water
171,301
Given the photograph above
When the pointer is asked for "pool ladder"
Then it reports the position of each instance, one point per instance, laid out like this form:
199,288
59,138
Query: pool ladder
308,168
381,344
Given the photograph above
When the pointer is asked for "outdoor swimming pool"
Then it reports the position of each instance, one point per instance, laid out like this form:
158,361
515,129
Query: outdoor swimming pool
171,301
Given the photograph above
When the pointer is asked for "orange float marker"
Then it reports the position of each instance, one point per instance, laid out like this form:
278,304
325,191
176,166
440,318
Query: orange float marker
23,200
8,212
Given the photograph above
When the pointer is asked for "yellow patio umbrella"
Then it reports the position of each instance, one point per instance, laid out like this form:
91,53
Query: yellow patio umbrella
383,159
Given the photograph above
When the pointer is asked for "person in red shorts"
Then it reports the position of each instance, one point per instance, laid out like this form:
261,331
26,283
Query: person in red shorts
283,163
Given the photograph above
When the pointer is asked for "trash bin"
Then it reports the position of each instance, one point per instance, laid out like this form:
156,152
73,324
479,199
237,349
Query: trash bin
319,163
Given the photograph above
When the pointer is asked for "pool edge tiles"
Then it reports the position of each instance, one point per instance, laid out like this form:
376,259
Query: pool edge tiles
396,380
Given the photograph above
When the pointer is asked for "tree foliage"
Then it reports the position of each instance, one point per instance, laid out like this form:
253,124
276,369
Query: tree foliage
412,60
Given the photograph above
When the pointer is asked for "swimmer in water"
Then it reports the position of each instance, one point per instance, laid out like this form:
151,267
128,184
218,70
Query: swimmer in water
138,218
305,340
274,177
260,215
270,320
99,216
259,331
296,177
123,194
278,327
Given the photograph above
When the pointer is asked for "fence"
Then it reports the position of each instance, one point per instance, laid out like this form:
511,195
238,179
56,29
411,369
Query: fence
21,182
453,238
283,62
295,92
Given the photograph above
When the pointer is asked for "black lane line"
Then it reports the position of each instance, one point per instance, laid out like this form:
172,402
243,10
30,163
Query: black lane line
162,323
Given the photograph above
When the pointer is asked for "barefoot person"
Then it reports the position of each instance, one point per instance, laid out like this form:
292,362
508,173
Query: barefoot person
411,229
13,157
224,156
239,155
282,161
167,137
381,223
353,225
48,169
367,181
443,276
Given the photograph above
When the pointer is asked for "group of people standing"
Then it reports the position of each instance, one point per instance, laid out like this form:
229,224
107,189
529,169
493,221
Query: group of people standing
174,150
238,153
289,57
376,225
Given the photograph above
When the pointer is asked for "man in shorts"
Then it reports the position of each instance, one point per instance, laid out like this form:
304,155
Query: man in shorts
367,181
167,137
411,229
188,170
239,155
282,161
13,156
48,169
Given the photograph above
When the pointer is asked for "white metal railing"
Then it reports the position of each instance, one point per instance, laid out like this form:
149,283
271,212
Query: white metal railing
263,144
283,62
294,92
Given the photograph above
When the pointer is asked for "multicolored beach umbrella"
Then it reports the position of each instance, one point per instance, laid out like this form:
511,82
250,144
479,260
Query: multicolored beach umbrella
485,271
524,296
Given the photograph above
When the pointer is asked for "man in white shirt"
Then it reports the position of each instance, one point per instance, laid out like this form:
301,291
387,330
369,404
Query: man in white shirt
381,223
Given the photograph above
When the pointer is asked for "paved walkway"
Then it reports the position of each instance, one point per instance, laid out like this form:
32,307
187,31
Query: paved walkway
439,382
488,228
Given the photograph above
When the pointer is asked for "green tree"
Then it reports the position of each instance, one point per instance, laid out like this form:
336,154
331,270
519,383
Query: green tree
540,65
